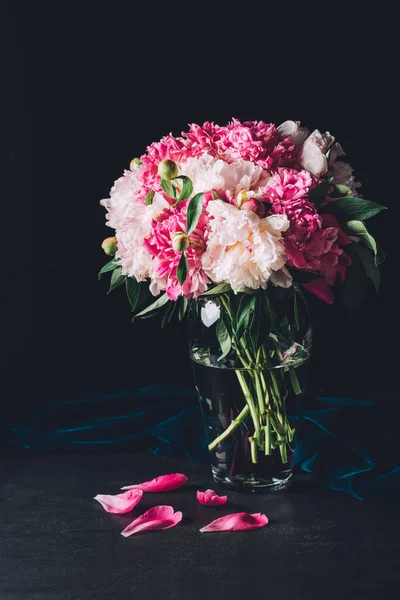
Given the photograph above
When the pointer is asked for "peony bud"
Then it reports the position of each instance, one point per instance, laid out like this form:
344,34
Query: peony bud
134,161
180,241
110,246
167,169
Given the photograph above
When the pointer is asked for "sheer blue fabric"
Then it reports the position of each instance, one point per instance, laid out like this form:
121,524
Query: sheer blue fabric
346,444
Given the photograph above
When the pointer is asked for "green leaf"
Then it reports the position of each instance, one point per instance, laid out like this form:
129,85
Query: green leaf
149,197
183,305
319,193
161,300
221,288
246,307
132,291
194,211
254,328
110,266
380,255
183,269
349,209
136,291
368,262
168,312
224,338
116,279
358,228
168,188
186,187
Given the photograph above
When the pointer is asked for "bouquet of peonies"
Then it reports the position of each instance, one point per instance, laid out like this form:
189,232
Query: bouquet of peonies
235,212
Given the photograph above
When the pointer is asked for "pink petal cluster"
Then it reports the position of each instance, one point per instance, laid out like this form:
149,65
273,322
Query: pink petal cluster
159,245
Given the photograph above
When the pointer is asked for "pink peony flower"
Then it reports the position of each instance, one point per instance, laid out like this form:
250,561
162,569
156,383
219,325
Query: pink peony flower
242,142
210,498
288,184
312,154
158,517
312,241
208,138
160,245
164,483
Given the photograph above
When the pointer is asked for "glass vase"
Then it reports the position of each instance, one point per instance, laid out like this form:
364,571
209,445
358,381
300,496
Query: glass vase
249,354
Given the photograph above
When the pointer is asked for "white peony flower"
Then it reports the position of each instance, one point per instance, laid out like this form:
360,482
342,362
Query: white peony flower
243,249
292,129
209,173
312,155
121,197
134,258
342,173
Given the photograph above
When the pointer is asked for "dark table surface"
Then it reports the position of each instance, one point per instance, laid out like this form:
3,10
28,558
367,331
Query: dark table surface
57,543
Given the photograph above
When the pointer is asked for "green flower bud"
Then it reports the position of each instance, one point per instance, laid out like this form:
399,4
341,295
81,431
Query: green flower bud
180,241
134,161
110,246
167,169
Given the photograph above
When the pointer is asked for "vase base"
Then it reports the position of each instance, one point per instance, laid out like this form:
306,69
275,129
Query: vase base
253,483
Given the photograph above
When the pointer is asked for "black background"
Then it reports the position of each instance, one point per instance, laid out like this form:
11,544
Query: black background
87,87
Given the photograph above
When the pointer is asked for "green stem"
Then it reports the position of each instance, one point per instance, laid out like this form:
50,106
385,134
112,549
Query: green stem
267,436
250,403
230,429
226,305
253,449
260,398
294,381
283,451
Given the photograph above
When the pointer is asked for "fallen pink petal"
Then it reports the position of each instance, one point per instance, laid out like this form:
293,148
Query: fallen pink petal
210,498
164,483
120,503
158,517
241,521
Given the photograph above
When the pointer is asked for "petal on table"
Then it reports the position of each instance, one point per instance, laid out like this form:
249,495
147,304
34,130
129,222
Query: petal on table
210,498
164,483
158,517
120,503
241,521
